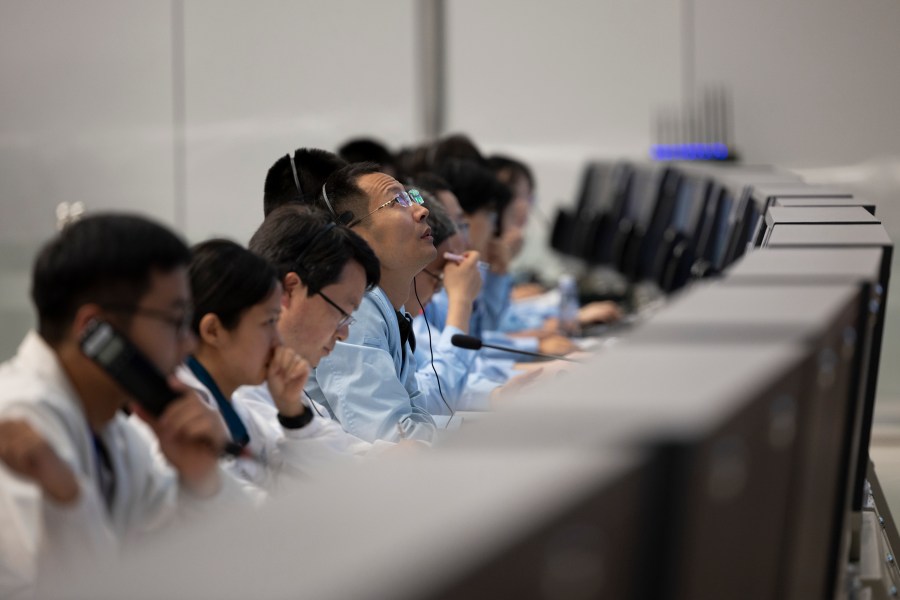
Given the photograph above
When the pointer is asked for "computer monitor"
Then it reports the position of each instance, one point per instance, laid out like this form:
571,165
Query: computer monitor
869,235
819,317
869,205
595,230
767,194
677,249
712,239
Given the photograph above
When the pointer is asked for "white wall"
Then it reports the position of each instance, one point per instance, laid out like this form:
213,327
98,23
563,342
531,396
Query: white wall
86,110
559,83
85,114
815,82
272,76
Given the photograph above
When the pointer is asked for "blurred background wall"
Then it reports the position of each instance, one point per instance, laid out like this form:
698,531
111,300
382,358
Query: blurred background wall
177,108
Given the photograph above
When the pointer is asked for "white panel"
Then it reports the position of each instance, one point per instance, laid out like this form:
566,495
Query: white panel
87,110
557,83
86,115
283,75
815,82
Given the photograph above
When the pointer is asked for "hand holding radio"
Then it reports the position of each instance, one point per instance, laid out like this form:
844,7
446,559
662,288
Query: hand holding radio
287,376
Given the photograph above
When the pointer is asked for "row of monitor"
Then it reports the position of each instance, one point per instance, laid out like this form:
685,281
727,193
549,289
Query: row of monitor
716,451
669,223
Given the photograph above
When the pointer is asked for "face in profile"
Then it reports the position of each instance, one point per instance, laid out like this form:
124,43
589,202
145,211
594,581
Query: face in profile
165,340
398,235
312,324
482,226
247,348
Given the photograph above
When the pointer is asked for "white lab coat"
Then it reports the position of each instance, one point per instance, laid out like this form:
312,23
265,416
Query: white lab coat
40,536
319,446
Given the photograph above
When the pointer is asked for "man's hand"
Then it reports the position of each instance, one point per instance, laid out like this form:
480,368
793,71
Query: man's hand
191,436
463,281
515,385
599,312
556,344
514,239
526,290
499,255
26,453
287,376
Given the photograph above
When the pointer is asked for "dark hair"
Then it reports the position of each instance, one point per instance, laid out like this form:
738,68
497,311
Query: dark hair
306,241
457,146
431,156
341,196
313,166
508,170
104,259
430,182
442,226
413,159
475,187
367,150
226,280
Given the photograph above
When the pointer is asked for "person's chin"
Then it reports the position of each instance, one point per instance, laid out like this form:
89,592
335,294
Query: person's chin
429,253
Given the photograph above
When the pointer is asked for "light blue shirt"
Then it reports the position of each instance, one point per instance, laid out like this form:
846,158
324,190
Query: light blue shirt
487,315
368,382
531,312
466,379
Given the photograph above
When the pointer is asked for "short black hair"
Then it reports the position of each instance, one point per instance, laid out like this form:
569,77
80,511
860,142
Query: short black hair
367,150
442,226
341,196
106,259
475,187
306,241
313,166
226,280
430,182
457,146
508,169
431,156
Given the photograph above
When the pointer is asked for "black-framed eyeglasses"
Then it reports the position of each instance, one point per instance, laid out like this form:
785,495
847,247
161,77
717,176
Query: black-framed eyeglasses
404,199
181,324
346,318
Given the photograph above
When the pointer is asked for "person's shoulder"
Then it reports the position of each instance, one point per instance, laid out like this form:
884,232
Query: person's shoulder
375,299
372,319
34,376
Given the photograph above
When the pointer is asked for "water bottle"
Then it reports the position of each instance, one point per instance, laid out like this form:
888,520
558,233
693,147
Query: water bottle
568,305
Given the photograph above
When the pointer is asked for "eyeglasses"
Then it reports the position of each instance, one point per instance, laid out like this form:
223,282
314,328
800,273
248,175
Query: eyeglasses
404,199
181,325
346,318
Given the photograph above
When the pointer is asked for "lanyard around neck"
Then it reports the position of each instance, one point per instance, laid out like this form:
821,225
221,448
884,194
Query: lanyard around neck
236,426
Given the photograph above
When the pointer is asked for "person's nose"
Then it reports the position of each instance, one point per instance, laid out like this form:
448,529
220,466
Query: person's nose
421,213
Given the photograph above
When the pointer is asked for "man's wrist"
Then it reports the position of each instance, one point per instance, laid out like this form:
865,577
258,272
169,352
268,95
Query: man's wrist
296,421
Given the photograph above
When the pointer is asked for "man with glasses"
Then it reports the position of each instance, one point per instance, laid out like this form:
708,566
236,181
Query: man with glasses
80,480
324,269
368,382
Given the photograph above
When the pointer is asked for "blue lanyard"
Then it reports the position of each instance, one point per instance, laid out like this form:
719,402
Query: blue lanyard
235,426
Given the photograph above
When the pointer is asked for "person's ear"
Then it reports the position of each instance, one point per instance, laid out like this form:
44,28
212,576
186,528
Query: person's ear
293,287
84,315
211,330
